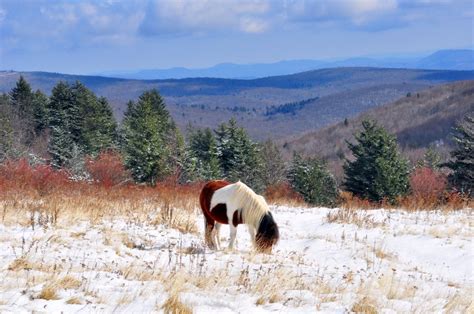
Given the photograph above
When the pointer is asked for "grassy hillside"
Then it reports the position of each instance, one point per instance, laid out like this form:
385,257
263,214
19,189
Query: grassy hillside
424,118
328,95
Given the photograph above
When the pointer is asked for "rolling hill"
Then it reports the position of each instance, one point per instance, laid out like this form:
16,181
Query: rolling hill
449,59
424,118
272,107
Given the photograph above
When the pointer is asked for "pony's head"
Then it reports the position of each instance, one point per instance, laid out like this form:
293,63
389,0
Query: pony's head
267,234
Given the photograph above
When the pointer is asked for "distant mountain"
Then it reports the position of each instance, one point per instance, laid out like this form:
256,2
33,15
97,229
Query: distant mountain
224,70
271,107
448,59
419,119
440,60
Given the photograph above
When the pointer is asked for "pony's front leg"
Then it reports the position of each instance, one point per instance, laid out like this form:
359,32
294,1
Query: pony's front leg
233,233
252,235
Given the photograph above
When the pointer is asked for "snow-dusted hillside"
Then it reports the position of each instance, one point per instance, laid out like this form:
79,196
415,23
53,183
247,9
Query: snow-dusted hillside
326,260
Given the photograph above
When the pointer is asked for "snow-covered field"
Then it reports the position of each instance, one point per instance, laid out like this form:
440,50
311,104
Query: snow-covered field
327,260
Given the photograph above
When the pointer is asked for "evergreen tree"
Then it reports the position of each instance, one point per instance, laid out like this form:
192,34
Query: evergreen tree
203,162
147,127
239,157
22,99
99,128
40,113
6,129
177,157
84,103
431,159
313,181
273,166
378,171
22,107
463,157
61,117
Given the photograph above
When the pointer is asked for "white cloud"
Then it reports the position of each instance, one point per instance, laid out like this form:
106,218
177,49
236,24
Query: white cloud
188,16
250,25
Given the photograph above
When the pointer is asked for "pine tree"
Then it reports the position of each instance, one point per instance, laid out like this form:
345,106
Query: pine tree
22,98
273,166
147,126
463,157
99,128
378,171
61,116
22,107
83,107
177,157
40,113
313,181
203,162
239,157
6,129
431,159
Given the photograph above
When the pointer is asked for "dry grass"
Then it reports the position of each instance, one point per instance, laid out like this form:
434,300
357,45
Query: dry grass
362,219
174,306
412,202
20,264
49,292
74,300
68,282
42,198
365,305
174,285
283,194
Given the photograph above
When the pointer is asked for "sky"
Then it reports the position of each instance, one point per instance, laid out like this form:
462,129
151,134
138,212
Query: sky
83,37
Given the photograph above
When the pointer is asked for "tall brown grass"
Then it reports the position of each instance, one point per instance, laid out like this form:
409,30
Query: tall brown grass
42,195
283,194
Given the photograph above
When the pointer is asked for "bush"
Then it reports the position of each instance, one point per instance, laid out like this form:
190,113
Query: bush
42,178
427,184
312,180
107,169
283,193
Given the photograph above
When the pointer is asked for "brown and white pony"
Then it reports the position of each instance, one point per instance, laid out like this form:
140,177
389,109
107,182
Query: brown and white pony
223,202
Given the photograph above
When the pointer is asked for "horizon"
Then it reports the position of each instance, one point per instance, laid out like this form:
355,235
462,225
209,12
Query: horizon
87,37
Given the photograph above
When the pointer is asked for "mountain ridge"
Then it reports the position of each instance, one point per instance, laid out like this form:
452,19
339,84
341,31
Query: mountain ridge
447,59
299,102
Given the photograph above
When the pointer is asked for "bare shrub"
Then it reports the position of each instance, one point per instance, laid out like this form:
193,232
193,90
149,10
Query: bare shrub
21,175
427,187
282,193
107,169
349,201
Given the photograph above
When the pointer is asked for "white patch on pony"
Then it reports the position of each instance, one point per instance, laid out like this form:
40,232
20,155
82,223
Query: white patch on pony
239,196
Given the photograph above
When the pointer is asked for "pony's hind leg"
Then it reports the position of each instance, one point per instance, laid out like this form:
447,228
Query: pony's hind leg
209,233
217,234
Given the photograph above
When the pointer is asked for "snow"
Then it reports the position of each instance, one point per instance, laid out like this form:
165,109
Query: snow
390,260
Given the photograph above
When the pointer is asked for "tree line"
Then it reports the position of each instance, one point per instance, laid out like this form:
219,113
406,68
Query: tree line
73,124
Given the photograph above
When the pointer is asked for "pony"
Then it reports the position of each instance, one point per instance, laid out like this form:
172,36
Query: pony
223,202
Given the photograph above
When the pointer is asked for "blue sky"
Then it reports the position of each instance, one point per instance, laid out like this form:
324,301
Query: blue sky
82,37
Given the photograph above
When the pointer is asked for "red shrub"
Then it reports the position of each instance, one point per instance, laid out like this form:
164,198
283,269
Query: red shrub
283,193
347,200
108,169
427,185
42,178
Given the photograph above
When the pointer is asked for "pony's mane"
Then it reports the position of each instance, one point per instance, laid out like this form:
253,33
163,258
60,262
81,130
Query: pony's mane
253,205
